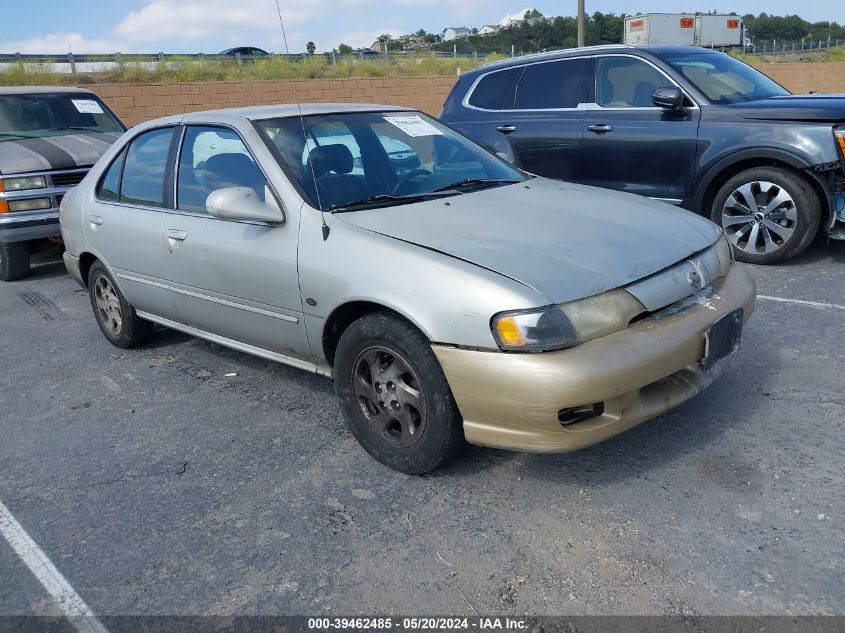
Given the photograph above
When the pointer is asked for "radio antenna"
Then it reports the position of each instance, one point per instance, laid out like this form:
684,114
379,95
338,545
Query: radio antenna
304,132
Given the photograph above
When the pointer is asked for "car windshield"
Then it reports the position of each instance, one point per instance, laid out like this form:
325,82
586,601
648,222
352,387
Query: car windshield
53,114
724,79
368,159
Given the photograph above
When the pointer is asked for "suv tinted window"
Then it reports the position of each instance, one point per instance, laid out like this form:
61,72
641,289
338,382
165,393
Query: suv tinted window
625,82
495,91
146,164
109,187
214,158
551,85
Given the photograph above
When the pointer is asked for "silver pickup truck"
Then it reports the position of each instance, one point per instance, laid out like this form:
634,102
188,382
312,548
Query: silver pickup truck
49,138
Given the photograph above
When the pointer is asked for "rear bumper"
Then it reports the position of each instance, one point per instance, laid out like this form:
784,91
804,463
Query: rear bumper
512,400
73,268
14,228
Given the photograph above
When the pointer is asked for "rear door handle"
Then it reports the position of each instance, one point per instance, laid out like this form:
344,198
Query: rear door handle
176,235
506,129
95,220
600,128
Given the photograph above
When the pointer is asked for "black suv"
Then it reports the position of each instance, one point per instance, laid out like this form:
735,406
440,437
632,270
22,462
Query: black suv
686,125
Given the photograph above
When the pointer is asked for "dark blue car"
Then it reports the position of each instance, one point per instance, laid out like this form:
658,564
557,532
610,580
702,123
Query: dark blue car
690,126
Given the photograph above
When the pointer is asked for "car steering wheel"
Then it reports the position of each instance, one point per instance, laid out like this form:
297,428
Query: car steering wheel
411,174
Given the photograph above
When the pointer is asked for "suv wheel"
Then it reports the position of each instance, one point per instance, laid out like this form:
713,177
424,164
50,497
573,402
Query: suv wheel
116,318
769,214
394,396
14,260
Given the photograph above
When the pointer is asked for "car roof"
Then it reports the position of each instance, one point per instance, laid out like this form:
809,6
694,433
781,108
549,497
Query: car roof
292,109
23,90
573,52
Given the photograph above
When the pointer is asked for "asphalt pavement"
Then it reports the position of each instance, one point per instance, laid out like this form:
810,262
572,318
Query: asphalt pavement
185,478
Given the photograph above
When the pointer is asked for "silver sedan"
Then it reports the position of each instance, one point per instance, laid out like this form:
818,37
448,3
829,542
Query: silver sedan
451,297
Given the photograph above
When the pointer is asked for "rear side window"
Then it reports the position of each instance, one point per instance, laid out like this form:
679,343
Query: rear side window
145,167
495,91
109,187
551,85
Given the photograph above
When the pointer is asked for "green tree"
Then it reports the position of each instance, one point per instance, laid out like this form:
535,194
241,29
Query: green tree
311,48
344,49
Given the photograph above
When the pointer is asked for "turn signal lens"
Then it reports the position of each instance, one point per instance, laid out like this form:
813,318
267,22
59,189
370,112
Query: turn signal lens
536,330
4,206
840,139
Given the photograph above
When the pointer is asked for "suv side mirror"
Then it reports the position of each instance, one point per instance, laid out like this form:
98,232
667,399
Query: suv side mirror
668,98
243,203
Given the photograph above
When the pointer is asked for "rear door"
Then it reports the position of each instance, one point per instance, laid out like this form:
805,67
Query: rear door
235,279
631,145
541,129
124,222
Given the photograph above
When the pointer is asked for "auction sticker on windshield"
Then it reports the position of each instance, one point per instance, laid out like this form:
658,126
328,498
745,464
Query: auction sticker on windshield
413,125
87,106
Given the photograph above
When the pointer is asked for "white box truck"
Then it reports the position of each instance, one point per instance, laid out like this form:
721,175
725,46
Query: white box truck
685,29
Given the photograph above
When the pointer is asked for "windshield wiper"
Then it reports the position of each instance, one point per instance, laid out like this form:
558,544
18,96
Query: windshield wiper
388,198
72,127
487,182
14,135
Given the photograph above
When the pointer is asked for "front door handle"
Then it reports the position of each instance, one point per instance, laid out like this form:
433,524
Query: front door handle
176,235
95,220
506,129
600,128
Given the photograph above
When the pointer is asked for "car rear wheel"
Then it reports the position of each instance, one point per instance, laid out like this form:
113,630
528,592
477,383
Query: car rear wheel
769,214
394,396
116,318
14,260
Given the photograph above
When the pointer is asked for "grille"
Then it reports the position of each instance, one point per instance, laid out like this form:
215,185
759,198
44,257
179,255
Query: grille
67,179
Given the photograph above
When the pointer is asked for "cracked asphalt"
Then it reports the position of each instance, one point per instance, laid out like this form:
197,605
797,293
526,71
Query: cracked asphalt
158,485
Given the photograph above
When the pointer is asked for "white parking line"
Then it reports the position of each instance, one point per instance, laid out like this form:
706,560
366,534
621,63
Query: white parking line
67,600
818,304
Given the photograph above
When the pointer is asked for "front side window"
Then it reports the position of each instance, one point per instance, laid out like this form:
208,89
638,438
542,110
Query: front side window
54,114
367,159
551,85
214,158
626,82
145,168
724,79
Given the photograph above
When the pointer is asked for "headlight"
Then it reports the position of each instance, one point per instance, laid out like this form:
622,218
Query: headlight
602,314
725,254
840,140
535,330
35,204
23,183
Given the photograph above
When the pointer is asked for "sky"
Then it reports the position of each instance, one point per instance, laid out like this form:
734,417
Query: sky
209,26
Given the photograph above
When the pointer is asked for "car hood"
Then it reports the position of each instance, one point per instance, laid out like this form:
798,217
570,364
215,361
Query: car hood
564,240
45,153
822,108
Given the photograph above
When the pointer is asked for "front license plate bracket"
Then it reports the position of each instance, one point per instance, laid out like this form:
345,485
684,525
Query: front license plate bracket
722,339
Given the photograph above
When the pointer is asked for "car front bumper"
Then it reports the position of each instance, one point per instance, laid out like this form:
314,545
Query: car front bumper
31,226
513,400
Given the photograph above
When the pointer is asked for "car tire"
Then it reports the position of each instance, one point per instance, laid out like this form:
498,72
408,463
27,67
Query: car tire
117,319
14,260
769,233
394,396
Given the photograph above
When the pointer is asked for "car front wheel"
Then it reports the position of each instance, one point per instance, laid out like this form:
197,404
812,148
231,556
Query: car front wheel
116,318
14,260
394,396
769,214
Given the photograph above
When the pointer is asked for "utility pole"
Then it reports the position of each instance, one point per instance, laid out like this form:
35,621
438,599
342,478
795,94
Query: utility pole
580,22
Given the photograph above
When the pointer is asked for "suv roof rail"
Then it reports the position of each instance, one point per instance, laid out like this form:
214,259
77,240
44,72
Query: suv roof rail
548,55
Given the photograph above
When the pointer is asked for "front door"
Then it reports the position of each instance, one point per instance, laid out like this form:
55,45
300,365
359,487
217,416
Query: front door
234,279
632,145
541,130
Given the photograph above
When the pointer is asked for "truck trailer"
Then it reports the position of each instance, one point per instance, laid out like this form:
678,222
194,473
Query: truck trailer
685,29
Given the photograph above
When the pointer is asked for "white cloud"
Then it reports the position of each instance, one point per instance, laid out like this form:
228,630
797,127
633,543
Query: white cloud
56,43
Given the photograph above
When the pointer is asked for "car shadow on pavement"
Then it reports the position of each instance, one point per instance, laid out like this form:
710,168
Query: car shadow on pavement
673,436
822,249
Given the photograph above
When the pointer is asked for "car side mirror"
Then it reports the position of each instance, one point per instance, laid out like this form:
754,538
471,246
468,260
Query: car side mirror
244,204
668,98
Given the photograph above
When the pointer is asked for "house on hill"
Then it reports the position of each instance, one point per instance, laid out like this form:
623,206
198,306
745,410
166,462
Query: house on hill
489,29
455,32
